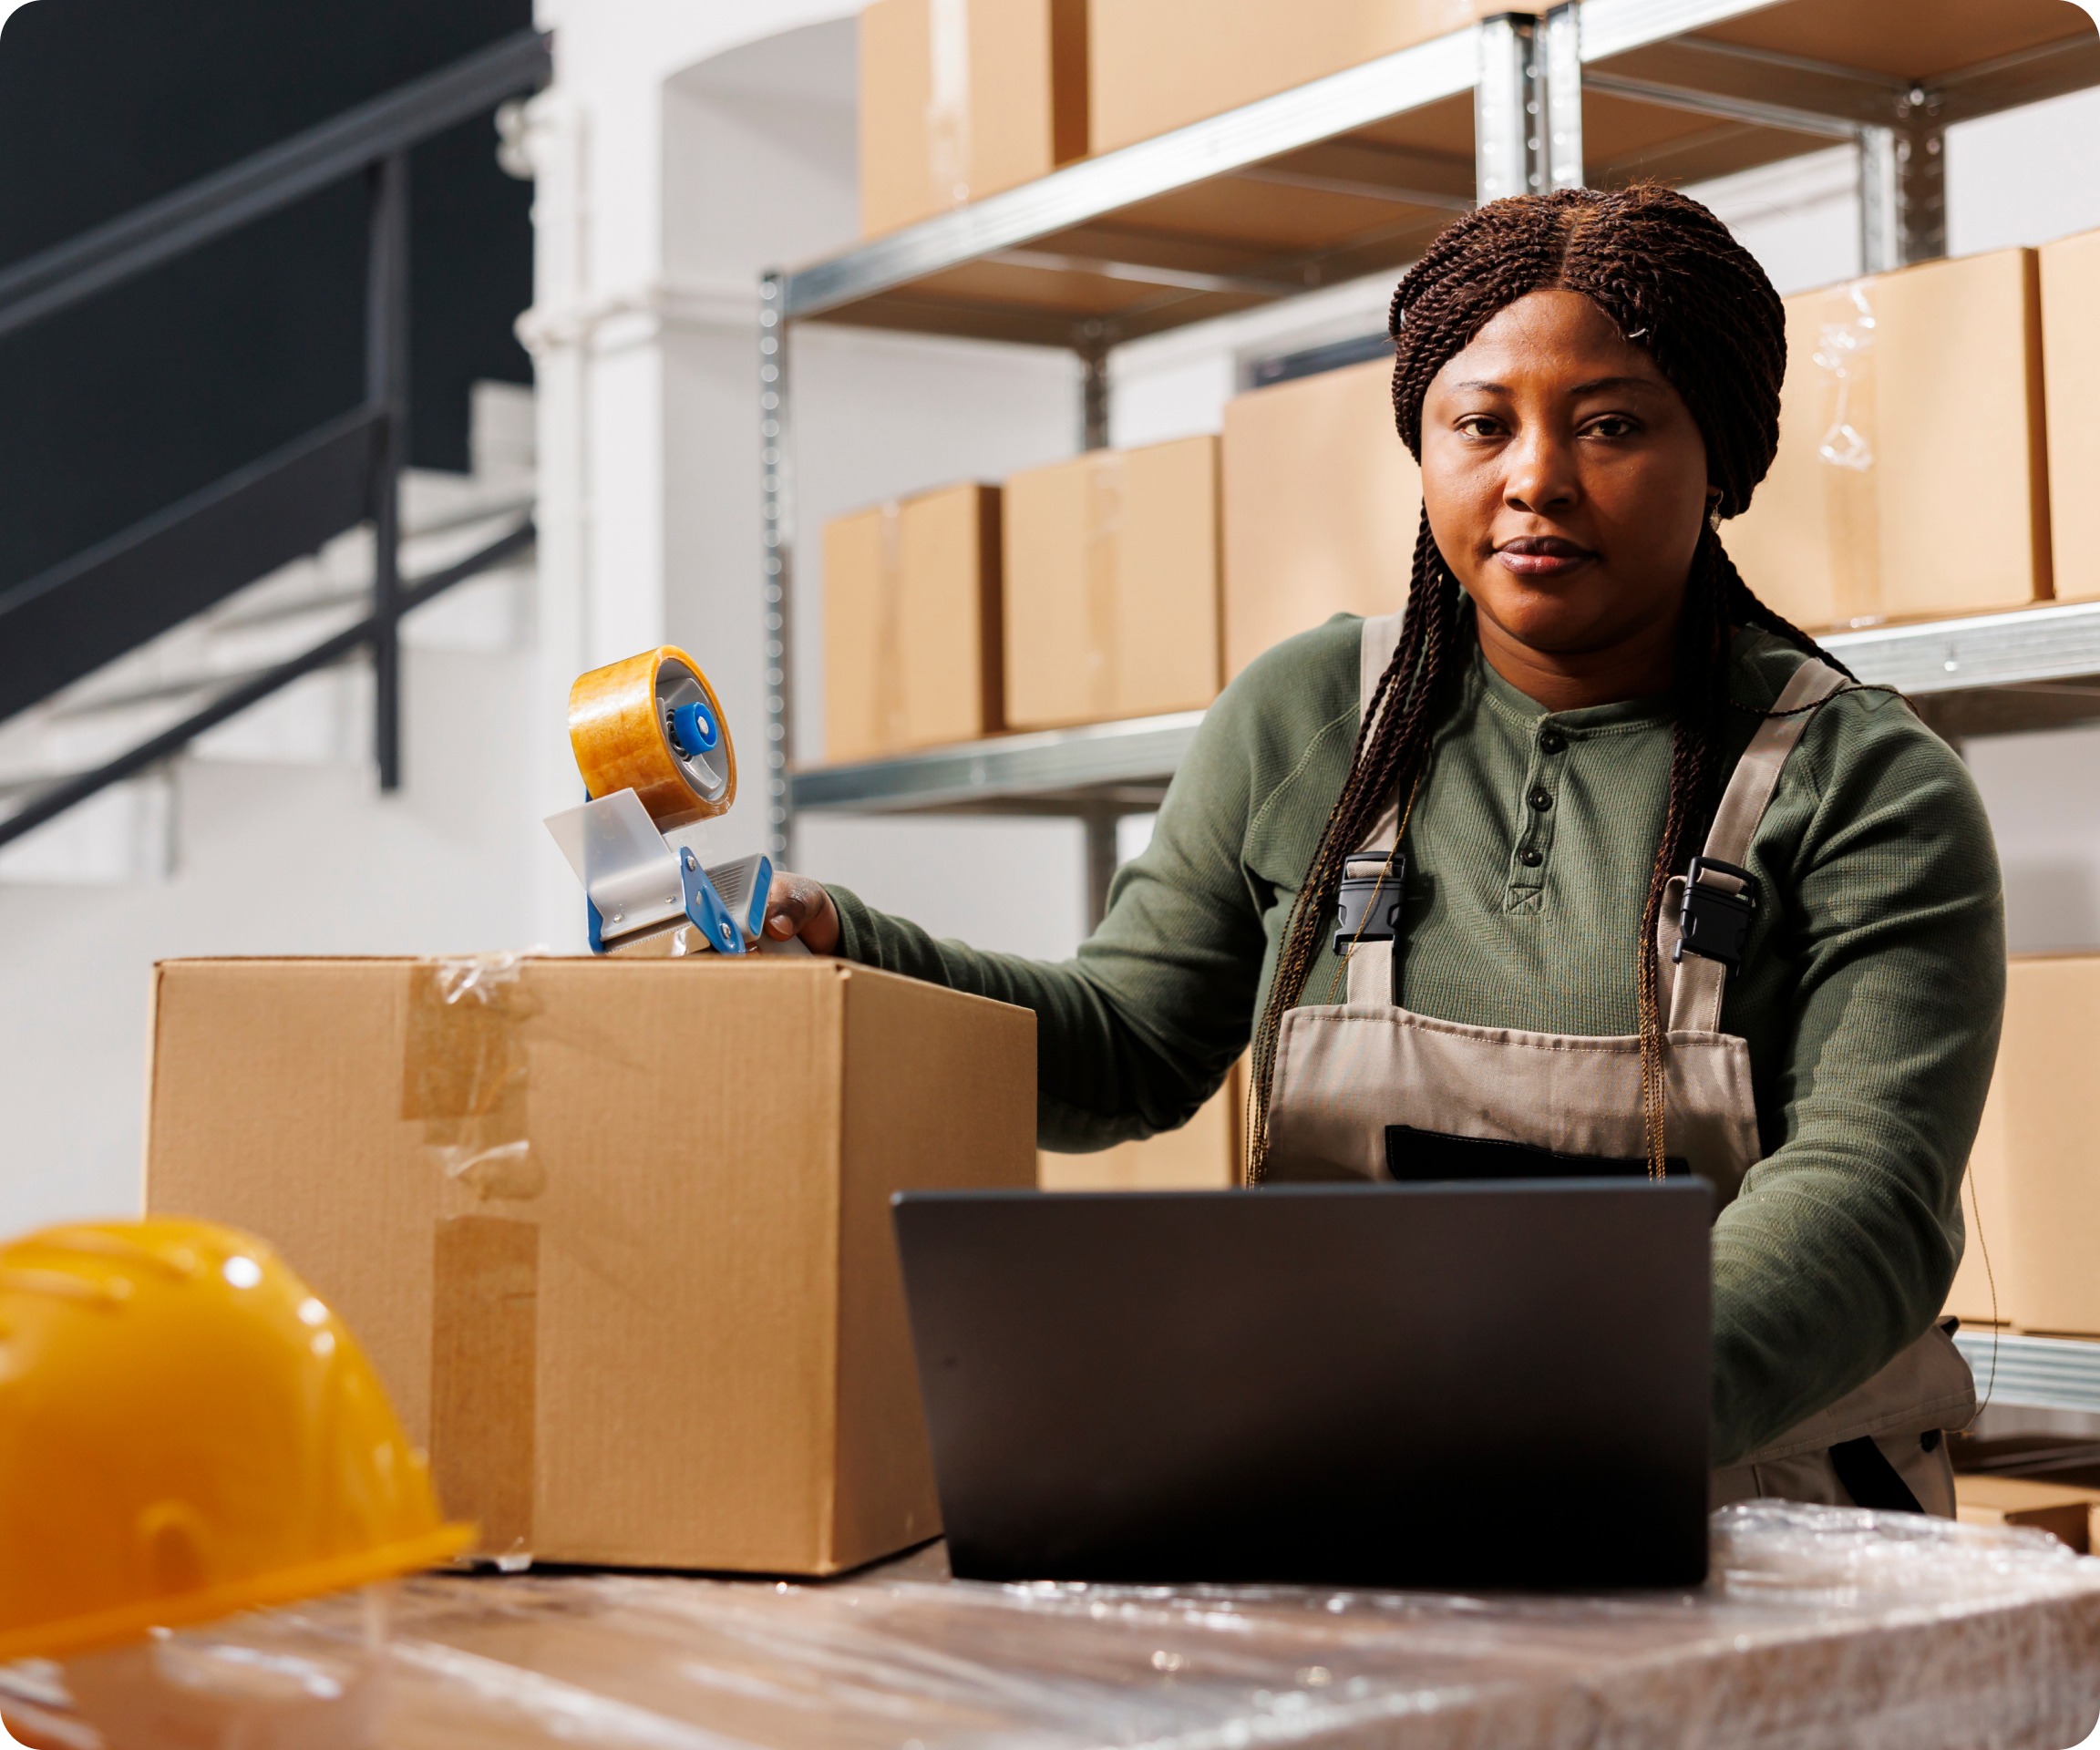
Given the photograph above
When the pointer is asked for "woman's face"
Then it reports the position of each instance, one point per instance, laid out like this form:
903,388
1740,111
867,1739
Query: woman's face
1566,484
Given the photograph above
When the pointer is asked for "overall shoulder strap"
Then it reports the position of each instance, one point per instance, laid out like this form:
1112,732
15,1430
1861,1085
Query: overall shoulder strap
1381,639
1697,986
1371,962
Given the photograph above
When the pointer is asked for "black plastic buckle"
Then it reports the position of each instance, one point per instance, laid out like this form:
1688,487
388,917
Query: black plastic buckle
1359,917
1717,922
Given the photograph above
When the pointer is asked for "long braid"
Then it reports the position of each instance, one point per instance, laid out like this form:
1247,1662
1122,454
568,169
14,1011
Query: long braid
1674,280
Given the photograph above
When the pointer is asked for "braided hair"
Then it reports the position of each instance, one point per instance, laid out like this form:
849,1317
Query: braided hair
1668,274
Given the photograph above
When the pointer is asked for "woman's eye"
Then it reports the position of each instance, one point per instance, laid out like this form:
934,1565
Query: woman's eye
1479,425
1612,424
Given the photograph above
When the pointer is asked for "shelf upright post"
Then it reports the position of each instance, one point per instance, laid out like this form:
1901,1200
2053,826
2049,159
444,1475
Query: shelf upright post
1562,57
776,526
1508,110
1903,185
1091,341
1922,176
1879,199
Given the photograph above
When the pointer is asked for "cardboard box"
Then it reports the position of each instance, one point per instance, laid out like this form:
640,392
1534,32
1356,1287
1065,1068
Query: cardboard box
1111,585
960,98
2048,1079
912,654
1203,1155
1910,480
2063,1512
615,1233
2069,278
1322,504
1979,1295
1157,65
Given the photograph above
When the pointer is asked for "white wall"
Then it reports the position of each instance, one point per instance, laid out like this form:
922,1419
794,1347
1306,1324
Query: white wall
271,858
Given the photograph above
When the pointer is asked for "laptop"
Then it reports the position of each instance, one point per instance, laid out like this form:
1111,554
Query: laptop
1410,1384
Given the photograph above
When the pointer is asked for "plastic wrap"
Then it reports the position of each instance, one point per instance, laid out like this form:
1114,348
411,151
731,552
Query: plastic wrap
1844,360
1820,1626
947,145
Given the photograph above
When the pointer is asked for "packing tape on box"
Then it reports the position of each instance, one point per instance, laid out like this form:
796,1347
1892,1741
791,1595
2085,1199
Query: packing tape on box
464,1077
948,108
463,1071
1104,550
484,1368
1844,357
892,723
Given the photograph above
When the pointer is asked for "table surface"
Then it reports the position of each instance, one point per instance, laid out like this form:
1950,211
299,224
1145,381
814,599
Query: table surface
1819,1627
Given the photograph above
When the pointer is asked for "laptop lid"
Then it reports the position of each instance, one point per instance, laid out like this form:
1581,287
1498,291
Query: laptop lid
1463,1385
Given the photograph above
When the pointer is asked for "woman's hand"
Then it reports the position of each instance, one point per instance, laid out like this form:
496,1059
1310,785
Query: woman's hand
798,906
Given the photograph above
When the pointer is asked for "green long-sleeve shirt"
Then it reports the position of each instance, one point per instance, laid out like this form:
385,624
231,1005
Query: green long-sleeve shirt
1870,994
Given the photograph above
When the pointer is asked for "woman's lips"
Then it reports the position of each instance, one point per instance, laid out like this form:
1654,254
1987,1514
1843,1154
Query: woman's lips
1543,557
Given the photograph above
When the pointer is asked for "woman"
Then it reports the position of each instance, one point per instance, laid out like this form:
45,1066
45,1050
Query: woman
1583,707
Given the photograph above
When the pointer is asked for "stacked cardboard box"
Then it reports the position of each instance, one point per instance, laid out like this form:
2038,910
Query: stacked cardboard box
1111,604
961,99
1159,65
615,1233
2069,273
912,654
2065,1513
1911,479
1321,505
2037,1163
1203,1155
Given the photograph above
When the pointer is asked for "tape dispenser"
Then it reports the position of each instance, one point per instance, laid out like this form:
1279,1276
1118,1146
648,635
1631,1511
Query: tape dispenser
657,761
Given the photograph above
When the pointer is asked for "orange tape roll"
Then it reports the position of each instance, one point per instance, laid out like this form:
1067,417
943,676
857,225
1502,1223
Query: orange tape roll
653,725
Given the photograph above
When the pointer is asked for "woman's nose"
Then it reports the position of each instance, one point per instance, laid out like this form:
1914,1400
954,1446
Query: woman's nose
1541,475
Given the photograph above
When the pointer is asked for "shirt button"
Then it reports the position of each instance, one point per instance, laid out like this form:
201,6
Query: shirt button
1530,856
1551,741
1541,800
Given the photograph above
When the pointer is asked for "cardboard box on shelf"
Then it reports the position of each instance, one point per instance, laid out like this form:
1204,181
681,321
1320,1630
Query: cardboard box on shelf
1111,585
960,98
2048,1070
912,654
1203,1155
1983,1285
1159,65
615,1233
1321,503
2070,276
1910,480
2063,1512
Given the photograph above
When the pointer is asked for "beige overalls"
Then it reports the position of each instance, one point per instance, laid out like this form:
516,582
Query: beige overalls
1344,1072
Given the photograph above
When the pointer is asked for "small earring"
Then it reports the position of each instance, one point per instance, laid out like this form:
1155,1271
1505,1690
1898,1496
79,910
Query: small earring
1713,516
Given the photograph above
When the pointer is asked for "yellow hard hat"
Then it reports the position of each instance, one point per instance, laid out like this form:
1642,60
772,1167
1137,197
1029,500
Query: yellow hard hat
186,1432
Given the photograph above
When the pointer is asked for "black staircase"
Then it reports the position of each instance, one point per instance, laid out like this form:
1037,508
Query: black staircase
72,617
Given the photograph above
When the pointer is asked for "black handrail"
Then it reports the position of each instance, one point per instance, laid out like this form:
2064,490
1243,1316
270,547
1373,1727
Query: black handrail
375,137
71,791
276,177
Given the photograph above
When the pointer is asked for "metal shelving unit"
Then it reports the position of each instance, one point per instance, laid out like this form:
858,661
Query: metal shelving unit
1353,175
2033,1373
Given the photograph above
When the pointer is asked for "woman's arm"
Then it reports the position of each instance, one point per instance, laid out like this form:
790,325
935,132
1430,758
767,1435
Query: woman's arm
1840,1248
1140,1028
